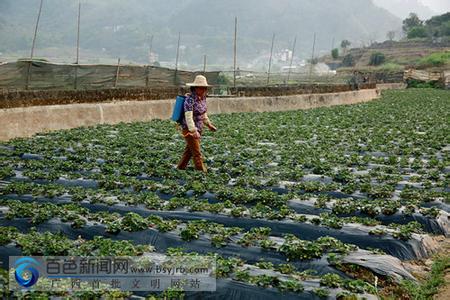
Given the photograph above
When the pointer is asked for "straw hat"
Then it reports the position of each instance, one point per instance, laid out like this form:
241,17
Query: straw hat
199,81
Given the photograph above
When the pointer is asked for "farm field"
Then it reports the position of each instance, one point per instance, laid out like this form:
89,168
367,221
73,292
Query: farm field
329,202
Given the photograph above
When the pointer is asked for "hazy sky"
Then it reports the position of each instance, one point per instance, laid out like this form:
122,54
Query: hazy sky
424,8
440,6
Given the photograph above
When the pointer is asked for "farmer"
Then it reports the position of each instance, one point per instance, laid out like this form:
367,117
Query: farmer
192,123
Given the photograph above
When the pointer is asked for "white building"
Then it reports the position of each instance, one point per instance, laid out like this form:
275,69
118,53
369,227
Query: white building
285,55
153,57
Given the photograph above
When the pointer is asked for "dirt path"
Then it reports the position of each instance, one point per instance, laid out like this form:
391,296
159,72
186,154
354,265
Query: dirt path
444,292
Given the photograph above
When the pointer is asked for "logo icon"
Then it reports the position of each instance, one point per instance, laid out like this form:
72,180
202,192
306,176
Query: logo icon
26,274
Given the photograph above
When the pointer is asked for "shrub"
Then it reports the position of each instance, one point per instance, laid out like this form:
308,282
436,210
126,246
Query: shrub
391,67
335,53
348,61
377,58
223,79
436,59
417,32
412,83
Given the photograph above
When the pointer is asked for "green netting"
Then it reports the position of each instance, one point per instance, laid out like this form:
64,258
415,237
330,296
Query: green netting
45,75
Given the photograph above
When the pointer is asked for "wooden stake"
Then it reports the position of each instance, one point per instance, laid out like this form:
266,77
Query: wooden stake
117,73
235,51
78,45
270,59
292,59
28,79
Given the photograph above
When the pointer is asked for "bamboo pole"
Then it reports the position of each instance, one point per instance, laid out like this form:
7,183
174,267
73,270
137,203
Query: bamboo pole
332,48
78,32
292,59
117,73
270,59
204,64
150,51
147,76
28,79
177,58
312,57
178,51
78,44
235,51
150,47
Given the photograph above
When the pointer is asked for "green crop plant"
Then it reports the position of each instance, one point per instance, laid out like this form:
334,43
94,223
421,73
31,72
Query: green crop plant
331,280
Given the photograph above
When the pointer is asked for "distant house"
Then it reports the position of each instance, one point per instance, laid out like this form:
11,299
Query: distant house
287,68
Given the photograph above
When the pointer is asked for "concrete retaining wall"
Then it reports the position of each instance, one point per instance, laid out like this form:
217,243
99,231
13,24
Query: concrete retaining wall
20,98
27,121
392,86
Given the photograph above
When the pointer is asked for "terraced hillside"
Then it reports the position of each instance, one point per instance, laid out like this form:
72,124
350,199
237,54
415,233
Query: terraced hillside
329,202
401,53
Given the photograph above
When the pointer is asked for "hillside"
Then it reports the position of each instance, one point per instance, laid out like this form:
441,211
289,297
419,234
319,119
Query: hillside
399,55
112,28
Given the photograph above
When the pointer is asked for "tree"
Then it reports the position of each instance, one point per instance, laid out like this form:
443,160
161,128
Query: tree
345,44
445,31
335,53
391,35
438,20
417,32
377,58
411,22
439,25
